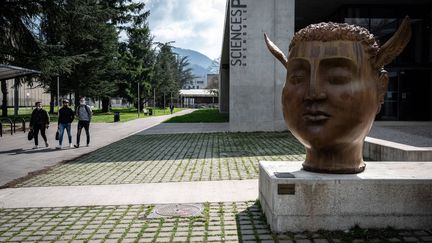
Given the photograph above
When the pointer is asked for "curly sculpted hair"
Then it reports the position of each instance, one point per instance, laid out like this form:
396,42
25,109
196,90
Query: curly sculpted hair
336,31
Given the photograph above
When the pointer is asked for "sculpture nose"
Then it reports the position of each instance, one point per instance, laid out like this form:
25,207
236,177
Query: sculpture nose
315,91
316,96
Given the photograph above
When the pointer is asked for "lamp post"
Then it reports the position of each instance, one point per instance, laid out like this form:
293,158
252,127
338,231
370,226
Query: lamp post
154,98
58,92
27,98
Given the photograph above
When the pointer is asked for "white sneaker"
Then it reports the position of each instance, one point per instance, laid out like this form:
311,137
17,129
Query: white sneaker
71,145
35,147
58,147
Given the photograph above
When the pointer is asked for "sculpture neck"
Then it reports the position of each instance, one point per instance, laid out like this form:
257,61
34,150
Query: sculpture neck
341,159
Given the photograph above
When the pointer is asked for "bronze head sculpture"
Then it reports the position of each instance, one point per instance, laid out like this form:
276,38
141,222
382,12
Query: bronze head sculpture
334,87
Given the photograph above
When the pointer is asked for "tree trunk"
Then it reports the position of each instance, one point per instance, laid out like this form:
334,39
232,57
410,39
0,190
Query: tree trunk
5,97
76,99
105,104
52,102
16,96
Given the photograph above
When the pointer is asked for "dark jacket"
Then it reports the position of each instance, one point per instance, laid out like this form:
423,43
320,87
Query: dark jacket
66,115
39,117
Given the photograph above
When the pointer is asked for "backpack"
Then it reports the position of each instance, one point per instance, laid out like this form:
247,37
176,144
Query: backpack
87,109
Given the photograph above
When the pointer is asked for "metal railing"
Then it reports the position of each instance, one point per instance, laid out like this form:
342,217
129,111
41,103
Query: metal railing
12,123
8,120
23,123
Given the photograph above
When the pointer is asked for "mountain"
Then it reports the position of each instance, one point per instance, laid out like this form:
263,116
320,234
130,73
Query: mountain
198,70
199,62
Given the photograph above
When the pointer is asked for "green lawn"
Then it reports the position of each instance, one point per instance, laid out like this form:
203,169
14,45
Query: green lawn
126,114
202,115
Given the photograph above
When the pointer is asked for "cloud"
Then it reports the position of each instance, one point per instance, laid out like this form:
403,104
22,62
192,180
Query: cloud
192,24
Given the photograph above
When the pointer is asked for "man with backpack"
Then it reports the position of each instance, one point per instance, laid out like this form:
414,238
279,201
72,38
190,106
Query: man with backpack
83,112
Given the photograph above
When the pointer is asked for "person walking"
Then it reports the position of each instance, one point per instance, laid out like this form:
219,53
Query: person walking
65,118
171,107
84,113
39,121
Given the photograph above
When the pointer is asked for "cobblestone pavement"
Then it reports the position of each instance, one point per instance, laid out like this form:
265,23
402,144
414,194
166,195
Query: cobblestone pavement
219,222
174,158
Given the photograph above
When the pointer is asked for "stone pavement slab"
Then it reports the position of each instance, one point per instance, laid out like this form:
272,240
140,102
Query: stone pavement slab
174,128
173,158
227,222
17,158
415,134
126,194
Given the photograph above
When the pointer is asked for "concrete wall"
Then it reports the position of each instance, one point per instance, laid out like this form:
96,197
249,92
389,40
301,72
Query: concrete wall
384,150
394,194
255,77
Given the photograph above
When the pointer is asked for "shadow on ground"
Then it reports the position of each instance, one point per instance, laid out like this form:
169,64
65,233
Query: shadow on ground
173,158
196,146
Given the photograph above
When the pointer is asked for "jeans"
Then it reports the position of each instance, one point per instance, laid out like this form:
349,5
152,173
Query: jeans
86,126
62,127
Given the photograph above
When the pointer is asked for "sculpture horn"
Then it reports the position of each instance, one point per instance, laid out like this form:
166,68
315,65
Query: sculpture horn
275,51
395,45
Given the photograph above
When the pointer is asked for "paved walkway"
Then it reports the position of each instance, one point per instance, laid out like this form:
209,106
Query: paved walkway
173,158
417,134
17,158
74,211
175,128
128,194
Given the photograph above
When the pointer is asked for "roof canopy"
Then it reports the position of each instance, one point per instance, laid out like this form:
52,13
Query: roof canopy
10,72
198,93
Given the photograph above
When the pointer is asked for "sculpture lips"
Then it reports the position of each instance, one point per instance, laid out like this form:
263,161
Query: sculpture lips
315,116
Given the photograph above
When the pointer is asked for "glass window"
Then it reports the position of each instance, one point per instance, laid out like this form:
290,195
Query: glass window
363,22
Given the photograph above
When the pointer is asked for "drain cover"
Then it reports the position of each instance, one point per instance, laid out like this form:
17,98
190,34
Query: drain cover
176,210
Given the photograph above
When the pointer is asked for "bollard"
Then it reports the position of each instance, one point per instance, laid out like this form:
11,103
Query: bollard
116,116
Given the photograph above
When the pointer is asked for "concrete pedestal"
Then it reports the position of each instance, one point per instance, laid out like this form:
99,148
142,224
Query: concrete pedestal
395,194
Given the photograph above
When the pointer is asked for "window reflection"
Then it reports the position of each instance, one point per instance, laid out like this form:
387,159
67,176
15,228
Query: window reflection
408,96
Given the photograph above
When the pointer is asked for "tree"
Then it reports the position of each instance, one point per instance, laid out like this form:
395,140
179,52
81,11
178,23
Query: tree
18,43
171,72
78,41
55,61
184,71
141,60
214,66
165,73
82,45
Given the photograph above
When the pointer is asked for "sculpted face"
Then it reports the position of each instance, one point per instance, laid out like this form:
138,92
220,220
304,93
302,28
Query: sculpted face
334,88
330,100
330,95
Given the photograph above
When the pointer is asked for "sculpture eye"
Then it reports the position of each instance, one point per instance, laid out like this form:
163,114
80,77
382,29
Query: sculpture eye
339,75
297,77
339,79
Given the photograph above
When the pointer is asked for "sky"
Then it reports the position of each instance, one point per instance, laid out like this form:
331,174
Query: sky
192,24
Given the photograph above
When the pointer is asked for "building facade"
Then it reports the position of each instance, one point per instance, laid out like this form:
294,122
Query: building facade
251,80
26,95
199,82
